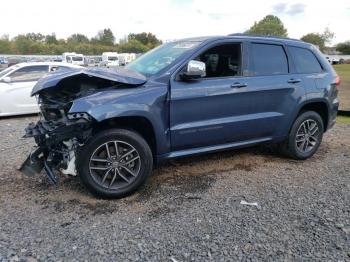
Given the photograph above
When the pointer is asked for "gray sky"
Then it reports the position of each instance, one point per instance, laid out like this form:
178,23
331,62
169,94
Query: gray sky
171,19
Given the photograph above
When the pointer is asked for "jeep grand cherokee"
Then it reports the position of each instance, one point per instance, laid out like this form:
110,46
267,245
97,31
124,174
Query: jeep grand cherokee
185,97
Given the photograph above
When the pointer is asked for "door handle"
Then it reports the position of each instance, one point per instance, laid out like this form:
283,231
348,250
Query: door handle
294,81
238,85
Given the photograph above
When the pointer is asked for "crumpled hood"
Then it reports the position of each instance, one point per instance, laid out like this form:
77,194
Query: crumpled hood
122,75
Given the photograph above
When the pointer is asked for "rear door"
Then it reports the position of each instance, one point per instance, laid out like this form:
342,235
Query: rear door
273,90
16,94
307,68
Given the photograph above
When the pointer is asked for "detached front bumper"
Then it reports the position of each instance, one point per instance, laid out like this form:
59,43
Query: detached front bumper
57,142
35,163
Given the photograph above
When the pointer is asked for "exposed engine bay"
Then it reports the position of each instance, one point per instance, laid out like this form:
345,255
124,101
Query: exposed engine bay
59,134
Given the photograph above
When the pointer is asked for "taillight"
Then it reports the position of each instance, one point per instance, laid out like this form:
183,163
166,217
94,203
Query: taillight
337,81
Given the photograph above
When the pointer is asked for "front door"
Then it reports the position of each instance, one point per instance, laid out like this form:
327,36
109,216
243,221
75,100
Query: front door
210,111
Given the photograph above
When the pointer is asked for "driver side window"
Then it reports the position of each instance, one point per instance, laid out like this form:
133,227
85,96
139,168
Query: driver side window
29,73
222,60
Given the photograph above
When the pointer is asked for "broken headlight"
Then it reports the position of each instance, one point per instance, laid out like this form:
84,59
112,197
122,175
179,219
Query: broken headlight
75,116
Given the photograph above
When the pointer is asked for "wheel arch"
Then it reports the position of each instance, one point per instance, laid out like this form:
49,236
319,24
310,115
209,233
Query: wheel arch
140,124
319,106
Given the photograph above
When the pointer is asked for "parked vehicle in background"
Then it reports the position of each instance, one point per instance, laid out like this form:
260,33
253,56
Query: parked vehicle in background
66,55
98,60
110,59
89,61
15,60
78,59
16,84
186,97
92,61
3,63
333,60
3,60
126,58
73,58
57,60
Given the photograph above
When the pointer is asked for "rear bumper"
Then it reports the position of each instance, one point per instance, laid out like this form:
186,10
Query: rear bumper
333,113
331,123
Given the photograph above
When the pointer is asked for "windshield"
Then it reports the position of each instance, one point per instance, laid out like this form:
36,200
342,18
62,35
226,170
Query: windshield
112,58
7,70
157,59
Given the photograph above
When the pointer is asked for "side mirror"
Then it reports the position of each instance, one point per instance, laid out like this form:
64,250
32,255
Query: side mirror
195,70
7,79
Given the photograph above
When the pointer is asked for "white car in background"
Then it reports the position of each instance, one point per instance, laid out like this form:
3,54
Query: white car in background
333,60
17,82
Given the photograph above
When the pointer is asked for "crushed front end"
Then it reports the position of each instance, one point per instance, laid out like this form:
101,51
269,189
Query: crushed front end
58,135
60,131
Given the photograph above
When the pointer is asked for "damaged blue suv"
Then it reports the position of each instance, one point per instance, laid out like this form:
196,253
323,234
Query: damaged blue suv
185,97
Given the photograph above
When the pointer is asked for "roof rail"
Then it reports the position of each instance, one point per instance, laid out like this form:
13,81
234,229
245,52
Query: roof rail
265,36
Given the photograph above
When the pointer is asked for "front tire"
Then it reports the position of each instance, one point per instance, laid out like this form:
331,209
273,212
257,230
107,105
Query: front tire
305,136
114,163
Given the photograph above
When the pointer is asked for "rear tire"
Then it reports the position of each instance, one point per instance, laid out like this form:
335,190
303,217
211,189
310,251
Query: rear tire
114,163
304,137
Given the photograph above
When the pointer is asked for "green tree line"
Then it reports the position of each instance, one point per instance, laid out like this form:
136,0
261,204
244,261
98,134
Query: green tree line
104,41
271,25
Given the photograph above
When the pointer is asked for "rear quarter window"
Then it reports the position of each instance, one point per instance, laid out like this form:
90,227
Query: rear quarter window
269,59
305,61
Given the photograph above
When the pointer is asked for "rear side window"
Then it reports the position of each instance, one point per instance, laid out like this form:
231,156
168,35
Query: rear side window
269,59
305,61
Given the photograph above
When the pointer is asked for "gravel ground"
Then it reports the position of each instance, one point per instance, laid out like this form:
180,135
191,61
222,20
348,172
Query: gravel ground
189,210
